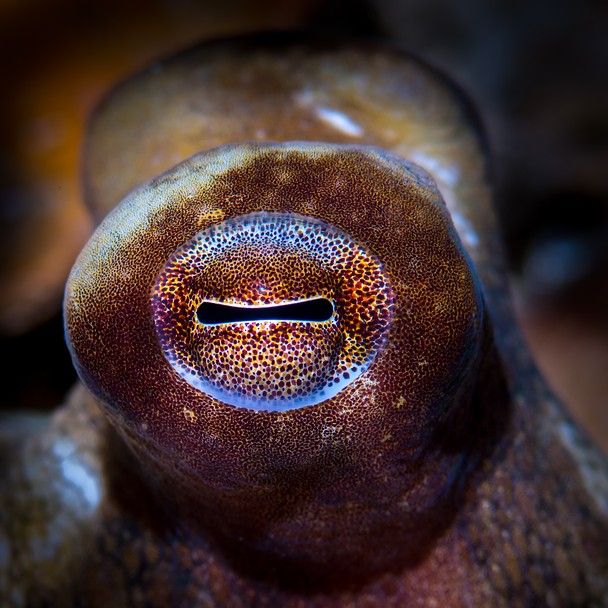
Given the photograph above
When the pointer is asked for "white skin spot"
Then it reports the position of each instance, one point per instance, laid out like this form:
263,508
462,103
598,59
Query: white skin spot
447,178
84,480
465,229
448,175
330,116
77,475
329,431
340,121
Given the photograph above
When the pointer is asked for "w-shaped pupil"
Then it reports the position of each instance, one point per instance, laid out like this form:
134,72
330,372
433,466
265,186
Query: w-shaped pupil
316,310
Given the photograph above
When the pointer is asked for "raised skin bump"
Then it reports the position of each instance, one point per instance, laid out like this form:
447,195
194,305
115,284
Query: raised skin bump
241,469
444,474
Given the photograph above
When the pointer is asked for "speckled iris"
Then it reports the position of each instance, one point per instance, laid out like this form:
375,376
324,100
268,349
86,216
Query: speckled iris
264,259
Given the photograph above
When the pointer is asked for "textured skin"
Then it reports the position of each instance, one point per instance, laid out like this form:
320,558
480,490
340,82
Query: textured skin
353,450
444,474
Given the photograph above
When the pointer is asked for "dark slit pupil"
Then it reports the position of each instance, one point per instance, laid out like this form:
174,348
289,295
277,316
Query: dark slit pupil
311,311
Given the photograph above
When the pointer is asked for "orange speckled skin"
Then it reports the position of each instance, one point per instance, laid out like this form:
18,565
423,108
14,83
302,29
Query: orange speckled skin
264,259
445,474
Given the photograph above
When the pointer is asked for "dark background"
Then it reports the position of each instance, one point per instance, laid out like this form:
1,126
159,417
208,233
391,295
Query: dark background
537,71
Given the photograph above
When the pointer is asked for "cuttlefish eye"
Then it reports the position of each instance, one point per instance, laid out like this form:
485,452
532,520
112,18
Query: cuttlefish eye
269,322
271,310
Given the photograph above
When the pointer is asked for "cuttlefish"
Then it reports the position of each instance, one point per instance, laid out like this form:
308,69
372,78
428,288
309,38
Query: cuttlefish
302,383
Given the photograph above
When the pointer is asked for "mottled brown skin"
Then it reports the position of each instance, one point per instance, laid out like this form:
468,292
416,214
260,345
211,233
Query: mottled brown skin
446,474
286,484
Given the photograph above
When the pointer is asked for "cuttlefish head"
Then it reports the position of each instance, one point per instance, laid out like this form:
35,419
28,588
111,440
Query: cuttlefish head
277,331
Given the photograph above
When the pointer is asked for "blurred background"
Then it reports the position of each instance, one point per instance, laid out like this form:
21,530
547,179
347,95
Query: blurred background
537,71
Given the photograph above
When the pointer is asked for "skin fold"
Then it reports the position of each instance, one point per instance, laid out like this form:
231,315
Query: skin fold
398,449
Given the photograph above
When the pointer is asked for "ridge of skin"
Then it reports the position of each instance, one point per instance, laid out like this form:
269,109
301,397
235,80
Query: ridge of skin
87,520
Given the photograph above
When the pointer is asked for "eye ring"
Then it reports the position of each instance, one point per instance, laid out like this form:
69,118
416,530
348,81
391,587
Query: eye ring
271,311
